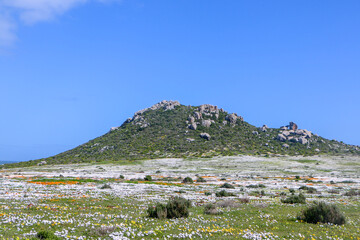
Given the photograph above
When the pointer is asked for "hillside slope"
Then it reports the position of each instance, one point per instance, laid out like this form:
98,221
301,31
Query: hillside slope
169,129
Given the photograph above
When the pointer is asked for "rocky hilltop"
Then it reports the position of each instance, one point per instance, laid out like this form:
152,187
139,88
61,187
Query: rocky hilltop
169,129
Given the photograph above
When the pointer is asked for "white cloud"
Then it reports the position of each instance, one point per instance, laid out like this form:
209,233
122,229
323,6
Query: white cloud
31,12
7,31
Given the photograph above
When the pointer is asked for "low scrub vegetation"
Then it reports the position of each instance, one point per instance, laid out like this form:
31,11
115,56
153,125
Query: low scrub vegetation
175,208
295,199
224,193
321,212
227,185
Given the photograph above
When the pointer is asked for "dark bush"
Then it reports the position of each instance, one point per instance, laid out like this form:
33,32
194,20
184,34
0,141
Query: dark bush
188,180
295,199
227,185
178,207
224,193
200,179
157,211
148,178
256,186
321,212
208,193
46,235
121,177
105,186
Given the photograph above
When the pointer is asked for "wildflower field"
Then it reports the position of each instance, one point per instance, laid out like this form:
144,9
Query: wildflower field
109,202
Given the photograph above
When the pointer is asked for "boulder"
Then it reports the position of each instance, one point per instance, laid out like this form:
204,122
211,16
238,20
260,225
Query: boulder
205,136
113,129
292,126
197,115
255,133
281,138
283,128
206,123
190,139
303,140
233,117
286,145
264,128
191,119
286,133
193,126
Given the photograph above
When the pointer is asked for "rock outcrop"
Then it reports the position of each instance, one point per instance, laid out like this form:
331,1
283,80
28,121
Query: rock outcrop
293,134
233,117
264,128
292,126
206,123
205,136
138,118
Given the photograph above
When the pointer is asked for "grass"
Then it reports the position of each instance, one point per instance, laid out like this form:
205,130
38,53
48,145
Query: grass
130,216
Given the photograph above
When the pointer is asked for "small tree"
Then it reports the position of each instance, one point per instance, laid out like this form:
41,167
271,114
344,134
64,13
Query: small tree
188,180
148,178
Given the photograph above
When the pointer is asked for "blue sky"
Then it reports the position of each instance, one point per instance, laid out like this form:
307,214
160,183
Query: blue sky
71,69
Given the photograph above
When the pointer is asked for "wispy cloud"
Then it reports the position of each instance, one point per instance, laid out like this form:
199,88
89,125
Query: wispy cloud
14,12
7,31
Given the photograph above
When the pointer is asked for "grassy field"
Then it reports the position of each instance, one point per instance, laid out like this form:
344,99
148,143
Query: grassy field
101,206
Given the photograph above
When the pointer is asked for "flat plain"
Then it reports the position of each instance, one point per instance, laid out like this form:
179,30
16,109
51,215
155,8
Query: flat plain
109,200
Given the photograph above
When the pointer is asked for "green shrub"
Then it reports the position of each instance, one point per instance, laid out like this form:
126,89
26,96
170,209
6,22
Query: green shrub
188,180
148,178
227,185
200,179
121,177
157,211
210,209
208,193
256,186
105,186
178,207
224,193
321,212
295,199
46,235
291,190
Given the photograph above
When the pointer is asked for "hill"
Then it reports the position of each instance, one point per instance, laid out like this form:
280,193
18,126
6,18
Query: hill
169,129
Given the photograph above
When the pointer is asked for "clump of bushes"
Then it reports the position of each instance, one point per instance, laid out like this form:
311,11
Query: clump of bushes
224,193
121,177
208,193
175,208
308,189
321,212
45,235
256,186
200,179
148,178
188,180
105,186
227,185
295,199
210,209
157,211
